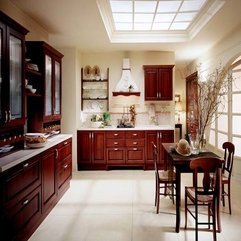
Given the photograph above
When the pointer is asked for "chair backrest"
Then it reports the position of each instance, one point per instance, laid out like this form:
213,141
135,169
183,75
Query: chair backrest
229,149
206,168
155,158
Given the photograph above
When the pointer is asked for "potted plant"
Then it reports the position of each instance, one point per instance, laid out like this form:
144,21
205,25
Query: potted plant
96,121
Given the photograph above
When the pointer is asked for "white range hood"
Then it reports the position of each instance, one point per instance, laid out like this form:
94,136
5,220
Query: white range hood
126,79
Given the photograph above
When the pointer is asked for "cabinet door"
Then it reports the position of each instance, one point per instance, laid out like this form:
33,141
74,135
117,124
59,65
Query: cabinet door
151,137
57,88
83,148
165,84
2,73
49,190
151,84
48,85
98,147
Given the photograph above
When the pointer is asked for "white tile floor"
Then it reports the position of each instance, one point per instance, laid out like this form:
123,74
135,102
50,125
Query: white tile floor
119,205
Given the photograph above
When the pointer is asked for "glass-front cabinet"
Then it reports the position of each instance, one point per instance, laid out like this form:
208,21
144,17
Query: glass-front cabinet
45,61
12,52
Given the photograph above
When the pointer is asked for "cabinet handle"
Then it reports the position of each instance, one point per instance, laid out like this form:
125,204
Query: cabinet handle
65,143
25,165
135,149
6,116
65,166
135,143
134,134
56,153
160,135
116,149
116,134
116,143
25,202
9,116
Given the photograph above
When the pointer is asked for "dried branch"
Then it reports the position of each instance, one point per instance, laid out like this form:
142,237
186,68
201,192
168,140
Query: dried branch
211,94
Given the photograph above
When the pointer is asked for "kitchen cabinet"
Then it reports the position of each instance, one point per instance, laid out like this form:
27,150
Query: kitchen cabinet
49,187
64,166
158,82
91,150
43,73
94,92
125,148
21,199
157,137
12,52
29,190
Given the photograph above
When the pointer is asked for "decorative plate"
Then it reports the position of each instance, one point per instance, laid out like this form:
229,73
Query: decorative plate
96,70
87,71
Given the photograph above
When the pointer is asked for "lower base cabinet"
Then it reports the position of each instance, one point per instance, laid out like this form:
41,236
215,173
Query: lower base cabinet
120,148
29,191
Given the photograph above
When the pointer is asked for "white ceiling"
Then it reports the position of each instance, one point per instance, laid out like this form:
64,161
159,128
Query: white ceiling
79,23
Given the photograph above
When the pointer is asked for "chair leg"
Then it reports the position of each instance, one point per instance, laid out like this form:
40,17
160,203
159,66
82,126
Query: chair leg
214,222
156,192
185,211
229,198
158,199
196,222
223,195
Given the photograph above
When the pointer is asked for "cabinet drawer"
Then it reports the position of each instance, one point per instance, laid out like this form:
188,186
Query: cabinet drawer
135,155
64,149
115,142
64,171
135,142
135,134
22,179
21,215
115,134
115,155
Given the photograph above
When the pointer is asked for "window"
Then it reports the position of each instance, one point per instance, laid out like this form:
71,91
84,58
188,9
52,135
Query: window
227,126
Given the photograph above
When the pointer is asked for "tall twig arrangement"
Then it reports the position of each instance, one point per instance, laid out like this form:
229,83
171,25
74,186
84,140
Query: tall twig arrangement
211,94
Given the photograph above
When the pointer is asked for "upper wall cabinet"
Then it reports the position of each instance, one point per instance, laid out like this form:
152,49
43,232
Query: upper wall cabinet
158,82
43,75
12,52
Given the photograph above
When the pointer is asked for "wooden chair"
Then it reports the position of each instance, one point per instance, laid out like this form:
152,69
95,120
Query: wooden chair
229,149
165,180
204,192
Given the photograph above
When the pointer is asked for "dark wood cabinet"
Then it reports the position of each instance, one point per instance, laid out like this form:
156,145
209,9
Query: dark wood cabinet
157,137
91,149
43,73
64,166
158,82
29,190
21,200
12,52
49,187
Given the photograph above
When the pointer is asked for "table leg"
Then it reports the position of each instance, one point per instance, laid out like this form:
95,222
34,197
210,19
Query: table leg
178,200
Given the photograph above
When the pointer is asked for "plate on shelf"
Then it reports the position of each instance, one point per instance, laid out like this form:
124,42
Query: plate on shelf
96,70
87,71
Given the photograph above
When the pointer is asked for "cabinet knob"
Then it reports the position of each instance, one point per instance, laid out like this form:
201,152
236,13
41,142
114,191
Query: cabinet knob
116,134
135,149
25,202
134,134
65,143
135,143
116,143
116,149
65,166
25,165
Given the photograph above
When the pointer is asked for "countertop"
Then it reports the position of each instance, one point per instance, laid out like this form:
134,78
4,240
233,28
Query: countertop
17,157
141,127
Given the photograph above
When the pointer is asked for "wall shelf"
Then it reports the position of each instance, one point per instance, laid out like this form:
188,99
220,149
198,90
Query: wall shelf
126,93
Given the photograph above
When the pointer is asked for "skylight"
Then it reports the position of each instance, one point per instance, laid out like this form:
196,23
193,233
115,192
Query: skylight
180,19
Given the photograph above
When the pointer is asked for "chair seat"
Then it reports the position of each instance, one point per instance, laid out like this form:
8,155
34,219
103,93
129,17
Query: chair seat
165,176
190,192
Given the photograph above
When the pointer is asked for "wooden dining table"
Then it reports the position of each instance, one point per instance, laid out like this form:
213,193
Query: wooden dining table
181,164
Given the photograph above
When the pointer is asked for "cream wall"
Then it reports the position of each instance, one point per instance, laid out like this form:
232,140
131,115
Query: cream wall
224,53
